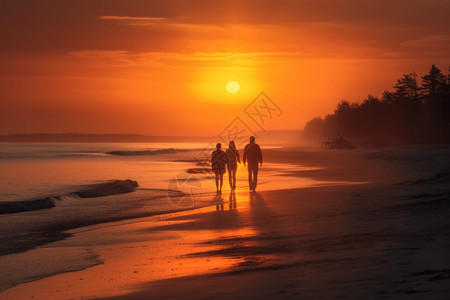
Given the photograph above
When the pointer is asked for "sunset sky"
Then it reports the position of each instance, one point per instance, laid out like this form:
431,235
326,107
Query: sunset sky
160,67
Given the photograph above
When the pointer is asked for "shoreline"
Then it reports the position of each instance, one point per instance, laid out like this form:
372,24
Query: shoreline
66,242
252,241
52,230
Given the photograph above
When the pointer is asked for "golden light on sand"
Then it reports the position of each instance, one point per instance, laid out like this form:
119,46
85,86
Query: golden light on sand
232,87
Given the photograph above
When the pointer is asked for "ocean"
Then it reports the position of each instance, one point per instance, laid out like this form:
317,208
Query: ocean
36,171
170,179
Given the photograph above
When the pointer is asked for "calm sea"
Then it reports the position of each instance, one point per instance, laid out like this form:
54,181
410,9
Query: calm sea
30,171
38,170
35,171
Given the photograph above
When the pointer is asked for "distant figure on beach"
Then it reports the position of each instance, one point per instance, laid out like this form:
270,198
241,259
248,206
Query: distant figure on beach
219,162
233,160
253,158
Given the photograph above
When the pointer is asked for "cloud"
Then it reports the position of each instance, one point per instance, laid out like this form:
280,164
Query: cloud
345,28
429,41
212,60
223,60
153,19
135,20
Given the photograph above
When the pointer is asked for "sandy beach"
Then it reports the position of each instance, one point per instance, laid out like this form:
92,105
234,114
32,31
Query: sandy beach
380,231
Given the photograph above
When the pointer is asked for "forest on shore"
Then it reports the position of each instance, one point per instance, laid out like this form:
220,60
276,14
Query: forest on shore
411,114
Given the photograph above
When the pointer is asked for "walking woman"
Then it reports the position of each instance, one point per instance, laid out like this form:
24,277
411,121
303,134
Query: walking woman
233,159
219,162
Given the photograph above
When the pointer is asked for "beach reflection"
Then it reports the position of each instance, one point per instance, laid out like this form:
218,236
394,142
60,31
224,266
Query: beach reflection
232,204
232,200
219,200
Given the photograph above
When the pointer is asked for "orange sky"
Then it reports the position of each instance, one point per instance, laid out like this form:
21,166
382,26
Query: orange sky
160,67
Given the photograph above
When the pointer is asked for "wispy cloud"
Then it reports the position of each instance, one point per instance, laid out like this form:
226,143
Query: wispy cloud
436,46
222,60
135,20
429,41
154,19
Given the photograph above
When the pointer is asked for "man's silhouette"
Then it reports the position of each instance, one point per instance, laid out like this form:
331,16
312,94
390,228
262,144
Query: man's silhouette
253,158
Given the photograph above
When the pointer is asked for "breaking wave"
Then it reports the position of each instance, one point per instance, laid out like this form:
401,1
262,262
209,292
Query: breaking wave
91,191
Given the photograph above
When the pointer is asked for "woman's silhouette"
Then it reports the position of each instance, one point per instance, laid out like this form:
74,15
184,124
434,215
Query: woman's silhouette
219,162
233,159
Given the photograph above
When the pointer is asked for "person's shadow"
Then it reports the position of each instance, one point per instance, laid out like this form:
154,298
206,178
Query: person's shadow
261,214
256,199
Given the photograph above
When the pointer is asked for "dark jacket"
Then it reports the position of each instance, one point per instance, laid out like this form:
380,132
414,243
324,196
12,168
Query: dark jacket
219,160
252,154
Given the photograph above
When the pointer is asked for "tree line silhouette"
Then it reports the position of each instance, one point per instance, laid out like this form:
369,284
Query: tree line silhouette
411,114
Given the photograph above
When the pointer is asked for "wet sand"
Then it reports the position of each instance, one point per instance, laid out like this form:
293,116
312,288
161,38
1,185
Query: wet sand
387,238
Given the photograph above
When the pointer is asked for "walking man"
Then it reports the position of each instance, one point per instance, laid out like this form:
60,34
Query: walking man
253,158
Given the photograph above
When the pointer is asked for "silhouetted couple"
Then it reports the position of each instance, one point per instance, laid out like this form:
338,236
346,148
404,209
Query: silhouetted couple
221,161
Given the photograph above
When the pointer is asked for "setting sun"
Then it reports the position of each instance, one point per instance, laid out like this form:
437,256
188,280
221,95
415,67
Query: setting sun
232,87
